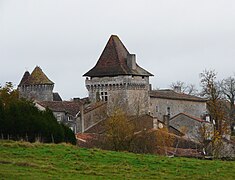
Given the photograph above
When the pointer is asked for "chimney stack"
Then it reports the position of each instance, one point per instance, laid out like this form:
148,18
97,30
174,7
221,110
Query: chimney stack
166,120
131,61
82,117
177,89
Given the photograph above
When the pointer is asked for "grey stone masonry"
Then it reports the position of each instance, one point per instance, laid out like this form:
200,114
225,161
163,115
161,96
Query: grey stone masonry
130,93
42,92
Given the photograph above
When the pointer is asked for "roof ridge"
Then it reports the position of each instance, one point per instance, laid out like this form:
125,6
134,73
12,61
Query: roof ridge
38,77
112,61
116,50
190,116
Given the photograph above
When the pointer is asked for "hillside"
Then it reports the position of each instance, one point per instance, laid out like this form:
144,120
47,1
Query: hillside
21,160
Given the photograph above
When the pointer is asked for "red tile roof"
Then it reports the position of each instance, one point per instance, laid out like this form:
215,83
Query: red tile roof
170,94
113,61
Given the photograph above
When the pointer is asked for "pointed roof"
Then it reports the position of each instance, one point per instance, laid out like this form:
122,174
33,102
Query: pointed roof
36,78
113,61
24,78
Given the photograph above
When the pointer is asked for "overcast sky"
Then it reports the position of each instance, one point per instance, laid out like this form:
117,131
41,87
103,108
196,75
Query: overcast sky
173,39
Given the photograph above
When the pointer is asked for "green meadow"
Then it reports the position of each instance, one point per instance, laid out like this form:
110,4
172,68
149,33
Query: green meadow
22,160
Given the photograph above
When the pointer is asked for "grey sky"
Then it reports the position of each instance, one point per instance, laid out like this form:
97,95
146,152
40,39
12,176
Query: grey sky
173,39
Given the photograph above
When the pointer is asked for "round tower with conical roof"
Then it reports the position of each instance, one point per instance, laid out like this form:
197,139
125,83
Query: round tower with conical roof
36,86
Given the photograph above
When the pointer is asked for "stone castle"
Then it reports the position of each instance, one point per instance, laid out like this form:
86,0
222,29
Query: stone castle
119,82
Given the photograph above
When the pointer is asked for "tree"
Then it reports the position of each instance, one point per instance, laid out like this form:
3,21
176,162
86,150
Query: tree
227,87
8,93
119,131
20,119
184,88
210,90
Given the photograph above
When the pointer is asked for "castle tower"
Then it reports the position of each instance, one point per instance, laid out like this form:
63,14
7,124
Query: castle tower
119,80
36,86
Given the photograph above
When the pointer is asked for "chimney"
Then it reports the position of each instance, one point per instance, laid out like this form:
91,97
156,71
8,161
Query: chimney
131,61
82,117
177,89
166,120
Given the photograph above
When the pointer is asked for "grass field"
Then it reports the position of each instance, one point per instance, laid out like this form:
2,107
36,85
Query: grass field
21,160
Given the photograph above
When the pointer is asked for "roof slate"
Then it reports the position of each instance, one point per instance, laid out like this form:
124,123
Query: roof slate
189,116
24,78
113,61
70,107
36,78
170,94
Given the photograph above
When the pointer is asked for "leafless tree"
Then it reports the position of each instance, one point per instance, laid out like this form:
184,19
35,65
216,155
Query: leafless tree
227,87
211,90
185,88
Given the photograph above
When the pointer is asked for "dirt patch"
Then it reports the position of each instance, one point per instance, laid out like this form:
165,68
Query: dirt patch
25,164
5,162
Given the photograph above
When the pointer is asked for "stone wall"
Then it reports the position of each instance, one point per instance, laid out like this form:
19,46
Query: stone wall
160,107
130,93
37,92
191,128
92,117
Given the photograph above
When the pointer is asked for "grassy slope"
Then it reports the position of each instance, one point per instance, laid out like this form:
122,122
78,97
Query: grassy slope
40,161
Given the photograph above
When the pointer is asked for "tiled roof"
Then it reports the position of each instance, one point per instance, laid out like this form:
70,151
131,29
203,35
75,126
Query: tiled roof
70,107
36,78
93,106
189,116
113,61
170,94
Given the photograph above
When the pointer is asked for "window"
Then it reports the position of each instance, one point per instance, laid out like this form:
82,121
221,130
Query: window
156,108
59,118
168,111
104,96
70,118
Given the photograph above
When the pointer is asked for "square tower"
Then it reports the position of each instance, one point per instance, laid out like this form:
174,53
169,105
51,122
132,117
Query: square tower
119,80
36,86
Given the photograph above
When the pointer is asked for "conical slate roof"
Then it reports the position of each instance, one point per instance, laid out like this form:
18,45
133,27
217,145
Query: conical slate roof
113,61
24,78
36,78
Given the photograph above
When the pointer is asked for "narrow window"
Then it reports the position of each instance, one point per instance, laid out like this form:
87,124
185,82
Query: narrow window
168,111
156,108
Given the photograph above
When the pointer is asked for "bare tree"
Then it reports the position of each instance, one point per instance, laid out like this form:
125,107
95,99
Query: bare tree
184,88
227,87
210,85
211,90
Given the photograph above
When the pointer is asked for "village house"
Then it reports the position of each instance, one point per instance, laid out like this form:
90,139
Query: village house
75,114
193,128
172,102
